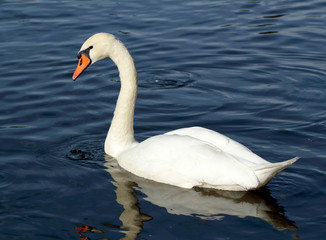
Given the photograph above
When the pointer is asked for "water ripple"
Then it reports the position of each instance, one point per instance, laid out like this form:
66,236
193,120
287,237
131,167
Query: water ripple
252,70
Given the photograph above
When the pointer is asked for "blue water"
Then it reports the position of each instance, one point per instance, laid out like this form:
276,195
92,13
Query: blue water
252,70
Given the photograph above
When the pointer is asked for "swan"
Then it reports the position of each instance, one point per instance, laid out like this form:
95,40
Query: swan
188,157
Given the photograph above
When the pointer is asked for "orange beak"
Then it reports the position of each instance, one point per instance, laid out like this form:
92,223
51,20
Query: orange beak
83,63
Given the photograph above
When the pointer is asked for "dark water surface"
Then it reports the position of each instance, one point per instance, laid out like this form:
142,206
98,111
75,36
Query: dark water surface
252,70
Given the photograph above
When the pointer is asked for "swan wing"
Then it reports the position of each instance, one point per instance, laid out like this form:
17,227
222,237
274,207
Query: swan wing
186,161
222,142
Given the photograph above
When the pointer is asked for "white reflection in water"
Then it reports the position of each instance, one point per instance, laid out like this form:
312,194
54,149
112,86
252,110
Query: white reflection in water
206,204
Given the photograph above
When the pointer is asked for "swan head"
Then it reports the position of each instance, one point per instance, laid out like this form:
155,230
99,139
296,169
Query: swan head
95,48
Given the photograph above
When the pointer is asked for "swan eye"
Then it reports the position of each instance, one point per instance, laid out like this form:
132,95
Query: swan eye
85,52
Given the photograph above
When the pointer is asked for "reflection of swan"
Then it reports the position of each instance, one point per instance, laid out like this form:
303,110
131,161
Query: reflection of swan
205,204
132,219
186,157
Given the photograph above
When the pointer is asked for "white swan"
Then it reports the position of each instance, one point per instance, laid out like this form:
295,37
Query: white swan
185,157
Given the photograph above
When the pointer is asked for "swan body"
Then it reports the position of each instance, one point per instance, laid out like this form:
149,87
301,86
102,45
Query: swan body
185,157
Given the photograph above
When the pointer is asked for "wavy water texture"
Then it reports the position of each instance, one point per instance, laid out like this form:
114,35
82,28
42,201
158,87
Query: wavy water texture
252,70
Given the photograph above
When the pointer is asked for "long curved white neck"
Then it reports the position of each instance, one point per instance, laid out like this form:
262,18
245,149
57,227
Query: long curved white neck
121,133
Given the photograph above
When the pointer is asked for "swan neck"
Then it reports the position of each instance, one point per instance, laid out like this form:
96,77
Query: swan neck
121,133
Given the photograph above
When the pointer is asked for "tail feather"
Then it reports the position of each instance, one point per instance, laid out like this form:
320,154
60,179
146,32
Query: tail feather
267,172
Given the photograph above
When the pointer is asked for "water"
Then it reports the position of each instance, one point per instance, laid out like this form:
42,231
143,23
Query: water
252,70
